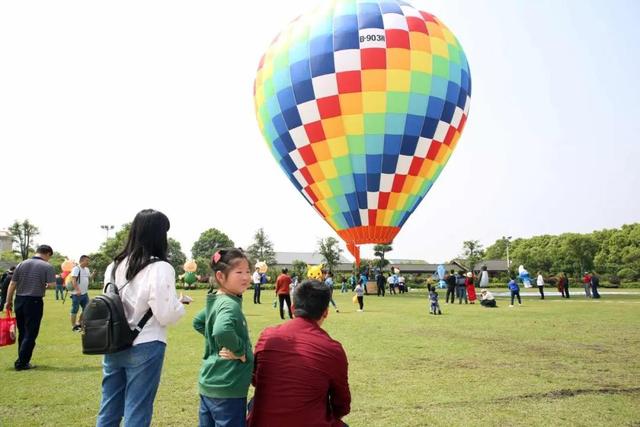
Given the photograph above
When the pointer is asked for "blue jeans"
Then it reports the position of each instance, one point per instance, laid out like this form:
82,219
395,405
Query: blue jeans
78,301
129,385
59,289
231,412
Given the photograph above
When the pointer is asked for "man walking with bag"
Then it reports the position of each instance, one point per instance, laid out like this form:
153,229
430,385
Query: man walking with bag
29,282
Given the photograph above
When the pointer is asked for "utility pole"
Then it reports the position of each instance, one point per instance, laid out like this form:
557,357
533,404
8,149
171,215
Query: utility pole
107,228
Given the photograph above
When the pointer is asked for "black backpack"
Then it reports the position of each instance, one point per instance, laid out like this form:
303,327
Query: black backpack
105,329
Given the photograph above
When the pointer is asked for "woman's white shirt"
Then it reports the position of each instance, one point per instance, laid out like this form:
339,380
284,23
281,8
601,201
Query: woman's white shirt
153,287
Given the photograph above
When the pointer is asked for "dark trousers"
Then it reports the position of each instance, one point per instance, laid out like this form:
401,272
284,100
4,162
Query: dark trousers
451,290
566,290
256,294
541,290
361,302
380,289
594,291
488,303
28,316
515,294
284,298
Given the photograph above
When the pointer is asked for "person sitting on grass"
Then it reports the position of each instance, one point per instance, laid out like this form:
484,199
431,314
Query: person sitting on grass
487,299
515,291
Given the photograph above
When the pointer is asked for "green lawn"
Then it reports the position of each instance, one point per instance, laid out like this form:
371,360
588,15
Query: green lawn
551,362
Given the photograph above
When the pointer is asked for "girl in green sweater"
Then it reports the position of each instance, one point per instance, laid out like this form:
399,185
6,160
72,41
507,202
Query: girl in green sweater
227,365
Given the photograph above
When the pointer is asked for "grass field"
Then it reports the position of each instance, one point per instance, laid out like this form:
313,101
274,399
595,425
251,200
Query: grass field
551,362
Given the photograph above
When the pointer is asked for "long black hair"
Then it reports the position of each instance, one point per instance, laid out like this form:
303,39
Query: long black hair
147,239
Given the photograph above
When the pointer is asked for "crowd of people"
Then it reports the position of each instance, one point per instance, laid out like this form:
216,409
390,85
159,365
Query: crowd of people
314,392
316,387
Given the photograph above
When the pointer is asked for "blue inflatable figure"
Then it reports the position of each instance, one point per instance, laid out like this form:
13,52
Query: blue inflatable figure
441,272
524,277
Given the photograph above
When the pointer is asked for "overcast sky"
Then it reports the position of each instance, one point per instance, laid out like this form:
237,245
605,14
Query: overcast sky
107,108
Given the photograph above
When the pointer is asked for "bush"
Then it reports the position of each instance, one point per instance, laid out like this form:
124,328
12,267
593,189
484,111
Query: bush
627,274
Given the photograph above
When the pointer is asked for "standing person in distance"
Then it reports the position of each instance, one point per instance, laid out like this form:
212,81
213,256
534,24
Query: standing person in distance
59,287
515,291
595,282
380,282
586,282
256,279
471,289
451,287
227,364
146,281
29,281
282,292
360,296
80,296
461,288
540,283
329,282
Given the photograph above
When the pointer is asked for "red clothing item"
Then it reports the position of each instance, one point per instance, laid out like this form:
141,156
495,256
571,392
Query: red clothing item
282,284
471,289
301,377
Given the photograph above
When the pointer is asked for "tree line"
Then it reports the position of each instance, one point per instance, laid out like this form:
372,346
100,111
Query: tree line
613,253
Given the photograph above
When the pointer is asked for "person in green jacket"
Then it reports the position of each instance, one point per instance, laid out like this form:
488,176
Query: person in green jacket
227,365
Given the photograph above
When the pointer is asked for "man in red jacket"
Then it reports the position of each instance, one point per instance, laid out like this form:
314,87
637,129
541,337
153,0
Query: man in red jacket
300,373
283,282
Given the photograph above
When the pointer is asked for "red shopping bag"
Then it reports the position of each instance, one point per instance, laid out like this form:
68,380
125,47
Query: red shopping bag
7,330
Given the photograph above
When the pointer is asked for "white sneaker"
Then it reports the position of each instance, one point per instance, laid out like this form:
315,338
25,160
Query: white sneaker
359,310
511,305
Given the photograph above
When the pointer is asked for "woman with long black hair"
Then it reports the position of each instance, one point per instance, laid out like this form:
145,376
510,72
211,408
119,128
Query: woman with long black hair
146,281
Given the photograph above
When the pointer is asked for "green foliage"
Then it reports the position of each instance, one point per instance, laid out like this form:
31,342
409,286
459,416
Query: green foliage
472,253
261,249
379,251
209,242
204,268
116,244
23,234
607,252
56,261
299,269
576,364
10,256
176,257
98,264
330,252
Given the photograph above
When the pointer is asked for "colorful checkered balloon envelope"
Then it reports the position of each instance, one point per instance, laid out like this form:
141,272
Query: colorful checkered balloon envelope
361,103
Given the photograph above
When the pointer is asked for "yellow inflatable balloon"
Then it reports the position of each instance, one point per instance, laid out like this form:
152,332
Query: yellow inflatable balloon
67,265
315,272
262,266
190,266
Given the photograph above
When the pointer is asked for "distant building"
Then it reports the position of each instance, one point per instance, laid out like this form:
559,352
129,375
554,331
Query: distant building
6,241
494,266
423,267
286,259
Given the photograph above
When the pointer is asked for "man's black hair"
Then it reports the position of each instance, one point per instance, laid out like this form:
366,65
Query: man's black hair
311,299
285,270
82,257
44,250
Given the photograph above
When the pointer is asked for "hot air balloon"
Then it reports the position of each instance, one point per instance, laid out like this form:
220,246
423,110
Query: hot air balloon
362,102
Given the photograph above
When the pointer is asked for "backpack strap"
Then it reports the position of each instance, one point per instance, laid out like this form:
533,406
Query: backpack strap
149,312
